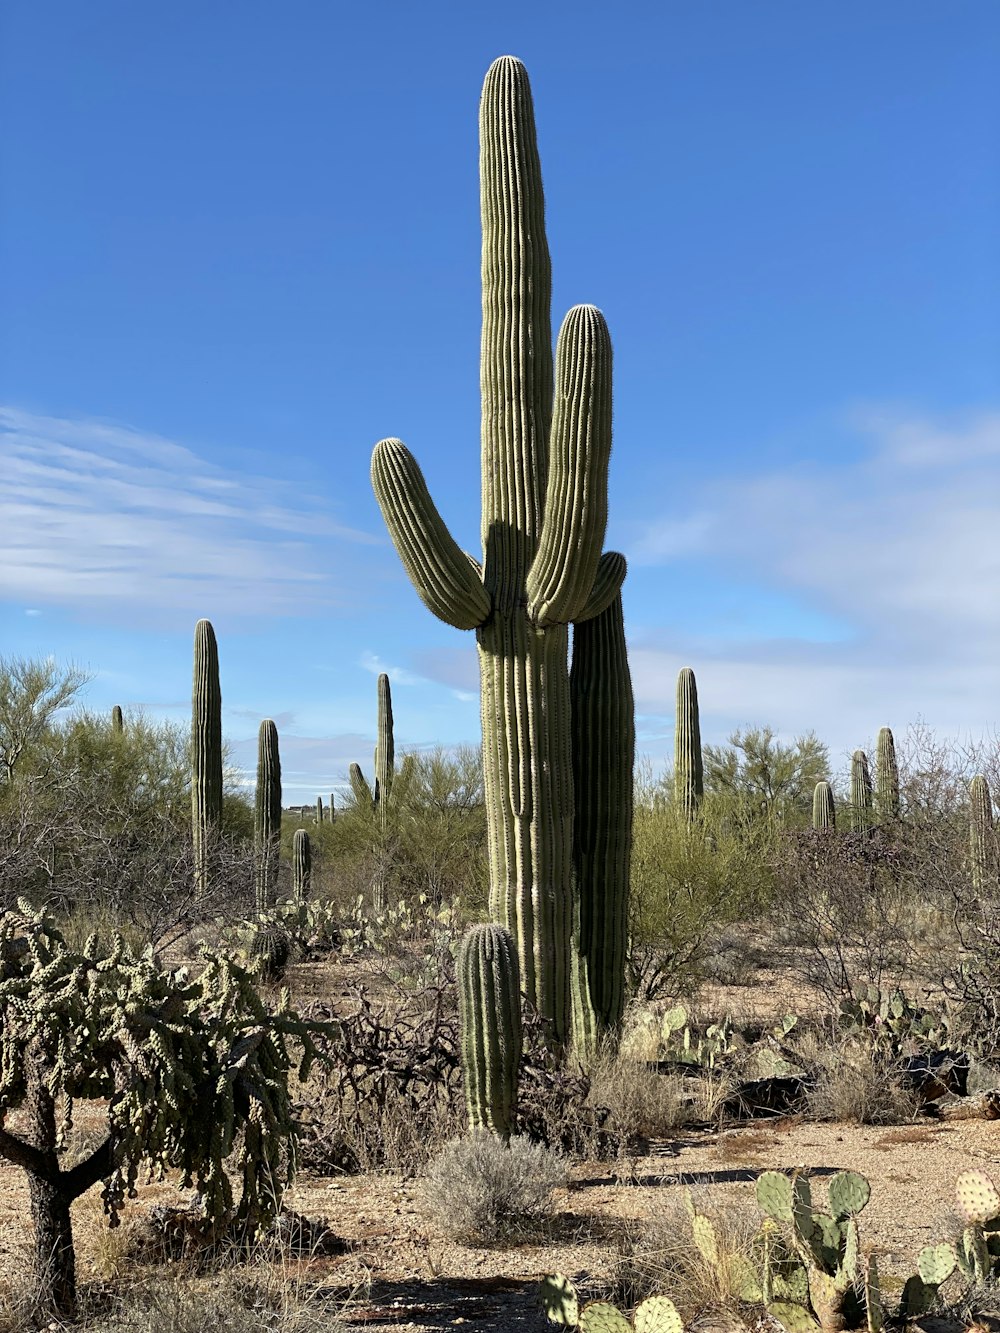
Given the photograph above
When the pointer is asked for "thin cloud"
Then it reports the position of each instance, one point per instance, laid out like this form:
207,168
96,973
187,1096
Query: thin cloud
399,675
96,514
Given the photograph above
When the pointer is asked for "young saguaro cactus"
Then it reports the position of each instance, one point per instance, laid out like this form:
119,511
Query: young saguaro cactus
689,780
267,814
982,839
544,511
489,1014
301,865
861,792
117,720
824,809
206,748
603,713
886,776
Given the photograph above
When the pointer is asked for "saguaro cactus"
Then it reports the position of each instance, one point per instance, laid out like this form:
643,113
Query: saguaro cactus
206,749
544,511
319,809
824,810
267,821
689,781
489,1014
861,792
603,754
886,776
117,720
301,865
982,838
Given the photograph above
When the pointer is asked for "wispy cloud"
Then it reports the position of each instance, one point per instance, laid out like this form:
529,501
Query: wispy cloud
901,544
98,514
370,661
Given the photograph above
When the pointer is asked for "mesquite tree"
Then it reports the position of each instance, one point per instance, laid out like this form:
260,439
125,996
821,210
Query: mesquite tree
545,448
192,1069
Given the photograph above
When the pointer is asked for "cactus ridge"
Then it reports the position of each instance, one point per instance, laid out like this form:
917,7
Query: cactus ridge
206,749
489,1011
689,777
544,449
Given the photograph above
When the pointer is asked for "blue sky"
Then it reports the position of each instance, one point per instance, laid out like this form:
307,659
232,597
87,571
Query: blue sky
240,243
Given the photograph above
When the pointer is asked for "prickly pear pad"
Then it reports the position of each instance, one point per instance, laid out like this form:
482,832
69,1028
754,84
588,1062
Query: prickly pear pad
559,1300
658,1314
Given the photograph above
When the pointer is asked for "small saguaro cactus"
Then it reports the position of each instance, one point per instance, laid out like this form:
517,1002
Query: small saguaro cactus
603,714
982,837
886,777
861,792
319,809
489,1014
301,865
206,749
117,720
544,511
824,809
267,820
689,781
388,788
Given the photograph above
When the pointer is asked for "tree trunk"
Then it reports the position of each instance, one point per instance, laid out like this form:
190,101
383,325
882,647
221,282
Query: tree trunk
55,1264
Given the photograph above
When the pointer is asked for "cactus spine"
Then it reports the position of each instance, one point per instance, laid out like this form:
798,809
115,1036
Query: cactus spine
689,780
301,865
489,1013
206,749
603,715
544,513
982,844
824,810
886,776
861,792
117,720
267,821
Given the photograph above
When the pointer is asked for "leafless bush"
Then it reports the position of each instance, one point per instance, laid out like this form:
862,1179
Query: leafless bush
479,1189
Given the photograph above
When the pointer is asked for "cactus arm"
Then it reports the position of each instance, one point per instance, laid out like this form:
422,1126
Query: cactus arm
562,575
363,794
611,571
442,574
516,348
603,714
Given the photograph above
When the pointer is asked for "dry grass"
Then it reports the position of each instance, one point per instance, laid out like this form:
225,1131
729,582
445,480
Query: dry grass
744,1146
482,1190
643,1103
856,1087
906,1134
659,1255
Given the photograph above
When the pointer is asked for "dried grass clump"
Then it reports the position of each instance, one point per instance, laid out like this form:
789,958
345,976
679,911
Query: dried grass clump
642,1103
659,1254
481,1190
856,1085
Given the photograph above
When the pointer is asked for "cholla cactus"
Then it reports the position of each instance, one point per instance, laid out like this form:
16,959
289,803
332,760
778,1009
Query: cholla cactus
545,456
489,1013
689,781
656,1314
190,1071
886,777
267,814
824,809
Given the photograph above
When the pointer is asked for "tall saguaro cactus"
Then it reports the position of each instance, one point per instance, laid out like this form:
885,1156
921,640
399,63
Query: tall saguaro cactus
544,509
267,821
824,809
861,792
206,749
489,1014
603,755
301,865
982,838
689,780
886,776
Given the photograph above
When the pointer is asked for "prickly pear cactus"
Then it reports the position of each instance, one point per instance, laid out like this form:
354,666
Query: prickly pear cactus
656,1314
